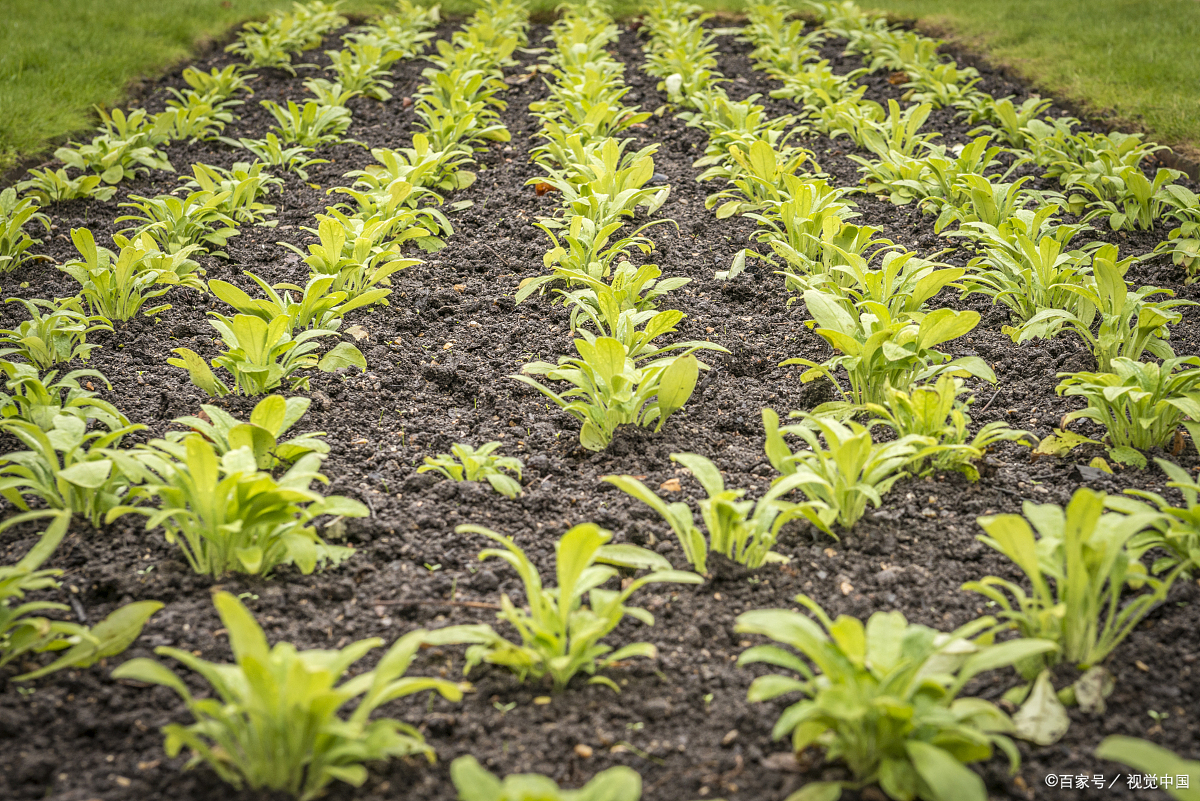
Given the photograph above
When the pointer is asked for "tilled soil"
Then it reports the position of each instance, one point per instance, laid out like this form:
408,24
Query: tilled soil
439,359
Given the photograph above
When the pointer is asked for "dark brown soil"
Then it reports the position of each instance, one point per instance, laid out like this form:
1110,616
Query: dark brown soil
439,359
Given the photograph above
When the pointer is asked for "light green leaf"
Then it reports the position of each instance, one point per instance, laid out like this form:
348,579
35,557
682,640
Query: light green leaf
947,778
817,791
342,355
89,475
676,386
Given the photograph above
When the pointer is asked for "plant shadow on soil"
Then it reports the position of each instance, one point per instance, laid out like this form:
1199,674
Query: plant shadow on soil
439,357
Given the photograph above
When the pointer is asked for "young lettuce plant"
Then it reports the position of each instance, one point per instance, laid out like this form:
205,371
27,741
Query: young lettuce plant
603,190
176,224
1131,323
357,252
228,516
1032,275
744,531
1183,244
23,634
15,242
262,355
38,400
560,634
884,698
193,118
1141,404
983,200
405,31
364,67
942,85
937,413
610,389
898,132
68,467
1007,122
329,93
271,151
635,290
805,230
270,419
245,183
1137,201
53,186
901,284
681,51
601,309
419,165
474,783
215,87
59,335
583,248
394,210
117,286
128,146
455,128
879,349
759,181
1175,529
584,111
853,469
731,125
317,306
831,93
272,42
274,723
1079,565
309,125
465,463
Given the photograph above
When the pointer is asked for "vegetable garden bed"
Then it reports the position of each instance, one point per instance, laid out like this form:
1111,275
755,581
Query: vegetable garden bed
439,360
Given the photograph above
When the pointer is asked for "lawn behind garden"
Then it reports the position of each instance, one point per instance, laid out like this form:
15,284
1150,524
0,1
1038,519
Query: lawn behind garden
1130,57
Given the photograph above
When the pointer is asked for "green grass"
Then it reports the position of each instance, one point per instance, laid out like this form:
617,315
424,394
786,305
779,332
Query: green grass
1137,59
60,58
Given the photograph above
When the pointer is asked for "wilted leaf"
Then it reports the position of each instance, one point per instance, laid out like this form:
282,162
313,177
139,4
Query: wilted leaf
1060,443
1092,688
1042,719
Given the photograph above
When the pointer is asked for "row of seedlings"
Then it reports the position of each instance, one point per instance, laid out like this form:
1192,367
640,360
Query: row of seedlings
218,501
1024,256
74,463
621,375
361,242
861,290
866,298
